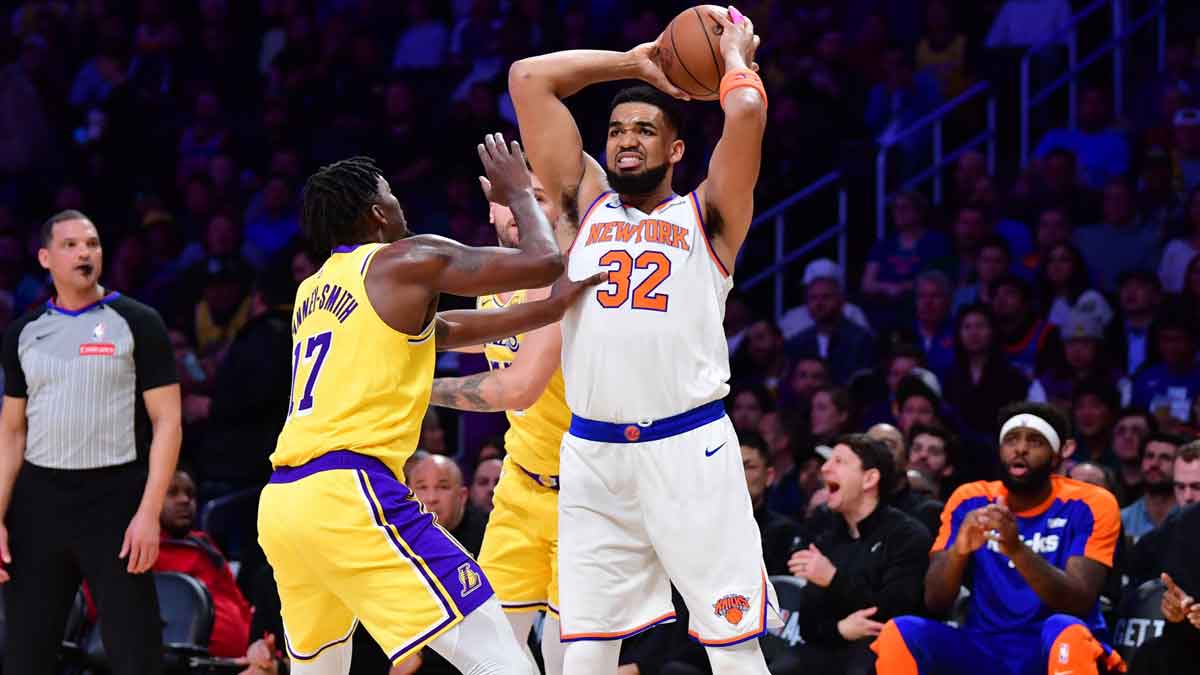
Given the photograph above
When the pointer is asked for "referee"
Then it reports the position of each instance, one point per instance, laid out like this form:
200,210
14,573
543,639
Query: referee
90,393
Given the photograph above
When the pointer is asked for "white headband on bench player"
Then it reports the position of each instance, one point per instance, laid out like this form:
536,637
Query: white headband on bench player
1028,421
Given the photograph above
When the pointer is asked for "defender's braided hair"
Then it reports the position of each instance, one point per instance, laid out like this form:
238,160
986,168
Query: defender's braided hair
335,198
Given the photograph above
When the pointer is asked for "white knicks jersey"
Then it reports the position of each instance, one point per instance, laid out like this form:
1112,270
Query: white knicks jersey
649,343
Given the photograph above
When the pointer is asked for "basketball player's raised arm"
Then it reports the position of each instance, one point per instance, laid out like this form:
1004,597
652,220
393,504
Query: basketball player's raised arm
728,192
513,388
446,266
538,86
465,327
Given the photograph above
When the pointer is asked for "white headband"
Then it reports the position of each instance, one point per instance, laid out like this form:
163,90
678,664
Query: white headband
1029,421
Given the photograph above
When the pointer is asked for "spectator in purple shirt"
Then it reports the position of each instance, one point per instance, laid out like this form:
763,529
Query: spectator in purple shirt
1121,242
993,262
895,262
272,219
1168,386
934,323
1103,151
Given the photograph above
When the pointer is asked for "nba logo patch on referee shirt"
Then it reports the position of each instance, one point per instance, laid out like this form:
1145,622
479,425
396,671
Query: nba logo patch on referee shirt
96,347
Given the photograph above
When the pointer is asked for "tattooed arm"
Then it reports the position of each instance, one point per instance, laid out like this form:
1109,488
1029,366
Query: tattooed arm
513,388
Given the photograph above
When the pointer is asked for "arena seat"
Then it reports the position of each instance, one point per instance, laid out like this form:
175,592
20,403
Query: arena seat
787,588
231,520
187,613
76,626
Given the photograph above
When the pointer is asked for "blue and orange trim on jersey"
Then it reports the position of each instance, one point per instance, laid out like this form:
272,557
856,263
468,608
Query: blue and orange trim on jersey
586,213
618,635
695,200
647,430
657,207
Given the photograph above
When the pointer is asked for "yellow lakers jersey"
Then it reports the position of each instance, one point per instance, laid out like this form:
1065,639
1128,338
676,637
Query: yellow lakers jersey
534,434
357,384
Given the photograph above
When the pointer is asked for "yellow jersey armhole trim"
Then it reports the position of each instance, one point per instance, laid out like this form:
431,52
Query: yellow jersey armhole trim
367,261
425,334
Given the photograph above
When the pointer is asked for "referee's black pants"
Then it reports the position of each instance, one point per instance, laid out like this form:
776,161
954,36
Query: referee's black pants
65,526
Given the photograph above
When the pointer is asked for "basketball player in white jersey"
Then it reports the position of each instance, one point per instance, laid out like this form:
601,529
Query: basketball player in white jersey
652,486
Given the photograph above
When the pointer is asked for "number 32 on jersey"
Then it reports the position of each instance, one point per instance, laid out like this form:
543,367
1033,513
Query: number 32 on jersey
620,277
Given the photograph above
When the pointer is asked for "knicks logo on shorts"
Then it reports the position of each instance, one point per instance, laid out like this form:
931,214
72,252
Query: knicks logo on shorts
469,579
733,607
632,433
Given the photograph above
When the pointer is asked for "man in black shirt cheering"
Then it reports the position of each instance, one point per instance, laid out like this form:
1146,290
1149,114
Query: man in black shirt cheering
868,568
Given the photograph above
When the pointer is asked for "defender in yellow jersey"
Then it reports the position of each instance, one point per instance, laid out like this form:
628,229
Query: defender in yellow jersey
520,546
347,540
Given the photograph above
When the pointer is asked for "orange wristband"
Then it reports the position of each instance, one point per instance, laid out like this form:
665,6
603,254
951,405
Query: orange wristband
742,77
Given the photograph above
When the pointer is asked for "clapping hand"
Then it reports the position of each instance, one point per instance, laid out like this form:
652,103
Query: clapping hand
1178,605
857,625
812,565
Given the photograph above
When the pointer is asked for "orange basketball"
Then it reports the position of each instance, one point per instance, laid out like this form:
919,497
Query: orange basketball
690,52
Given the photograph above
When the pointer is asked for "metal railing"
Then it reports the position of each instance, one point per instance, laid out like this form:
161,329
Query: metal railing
783,259
940,161
935,119
1115,45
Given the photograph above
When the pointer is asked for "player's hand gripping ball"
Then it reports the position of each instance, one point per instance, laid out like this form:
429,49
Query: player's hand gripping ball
691,51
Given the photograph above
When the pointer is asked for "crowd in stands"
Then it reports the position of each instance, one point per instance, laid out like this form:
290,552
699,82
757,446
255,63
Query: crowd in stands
186,129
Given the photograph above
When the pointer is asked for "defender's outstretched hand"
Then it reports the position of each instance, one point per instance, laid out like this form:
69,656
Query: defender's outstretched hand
507,172
565,292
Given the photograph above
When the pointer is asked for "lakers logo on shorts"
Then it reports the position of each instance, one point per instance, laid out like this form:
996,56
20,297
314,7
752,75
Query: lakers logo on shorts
732,607
468,578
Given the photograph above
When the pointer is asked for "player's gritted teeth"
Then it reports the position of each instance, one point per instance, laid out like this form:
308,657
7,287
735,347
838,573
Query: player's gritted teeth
629,160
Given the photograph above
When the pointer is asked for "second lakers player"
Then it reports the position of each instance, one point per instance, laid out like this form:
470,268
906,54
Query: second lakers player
520,546
347,540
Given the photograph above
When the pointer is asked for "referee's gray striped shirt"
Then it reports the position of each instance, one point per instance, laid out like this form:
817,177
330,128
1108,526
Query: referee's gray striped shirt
83,373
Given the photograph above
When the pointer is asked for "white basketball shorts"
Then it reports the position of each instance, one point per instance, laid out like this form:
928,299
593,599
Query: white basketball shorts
643,505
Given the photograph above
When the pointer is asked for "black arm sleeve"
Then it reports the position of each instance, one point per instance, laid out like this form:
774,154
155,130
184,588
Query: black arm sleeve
816,620
14,376
153,357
